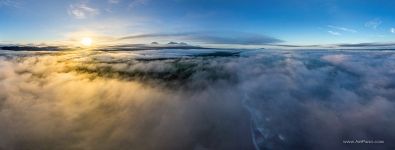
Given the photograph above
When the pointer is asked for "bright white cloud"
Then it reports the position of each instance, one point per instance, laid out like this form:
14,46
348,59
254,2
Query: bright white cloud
334,33
373,23
342,28
82,11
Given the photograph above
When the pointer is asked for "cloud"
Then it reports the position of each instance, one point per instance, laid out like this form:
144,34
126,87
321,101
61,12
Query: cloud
116,100
114,1
392,30
374,24
135,3
334,33
12,3
336,59
125,113
82,11
213,38
342,29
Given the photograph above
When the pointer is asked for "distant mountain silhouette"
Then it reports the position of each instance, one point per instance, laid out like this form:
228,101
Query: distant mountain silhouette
30,48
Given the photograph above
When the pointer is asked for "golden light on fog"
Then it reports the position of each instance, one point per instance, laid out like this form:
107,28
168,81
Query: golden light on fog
86,41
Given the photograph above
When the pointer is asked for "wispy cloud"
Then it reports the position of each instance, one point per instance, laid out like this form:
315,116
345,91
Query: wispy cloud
114,1
334,33
12,3
392,30
135,3
374,24
82,11
342,28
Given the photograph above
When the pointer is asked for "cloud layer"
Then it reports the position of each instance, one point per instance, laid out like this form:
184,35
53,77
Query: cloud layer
181,99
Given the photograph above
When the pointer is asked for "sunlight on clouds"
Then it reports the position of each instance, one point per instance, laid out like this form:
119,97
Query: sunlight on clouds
86,41
65,102
88,38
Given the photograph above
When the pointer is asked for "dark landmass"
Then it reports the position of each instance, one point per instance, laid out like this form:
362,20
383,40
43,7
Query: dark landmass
31,48
137,47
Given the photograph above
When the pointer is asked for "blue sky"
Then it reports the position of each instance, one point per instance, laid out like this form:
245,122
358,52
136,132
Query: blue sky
227,22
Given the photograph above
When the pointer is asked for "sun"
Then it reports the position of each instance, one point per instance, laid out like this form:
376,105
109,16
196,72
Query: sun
86,41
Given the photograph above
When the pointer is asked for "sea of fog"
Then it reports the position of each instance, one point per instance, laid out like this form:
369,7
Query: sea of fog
203,99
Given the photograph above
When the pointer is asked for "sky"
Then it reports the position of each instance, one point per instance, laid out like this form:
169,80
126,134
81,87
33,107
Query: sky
202,22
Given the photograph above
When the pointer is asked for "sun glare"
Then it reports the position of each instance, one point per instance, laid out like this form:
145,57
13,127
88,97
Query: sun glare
86,41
